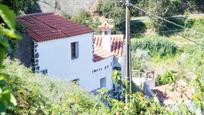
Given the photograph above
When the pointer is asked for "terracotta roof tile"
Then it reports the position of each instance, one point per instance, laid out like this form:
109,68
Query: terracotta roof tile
100,54
116,43
48,26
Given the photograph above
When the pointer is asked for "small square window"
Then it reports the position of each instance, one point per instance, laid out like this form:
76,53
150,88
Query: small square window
75,81
74,50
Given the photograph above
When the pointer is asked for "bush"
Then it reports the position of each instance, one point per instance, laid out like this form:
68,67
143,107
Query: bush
84,18
160,47
39,94
19,6
113,10
167,78
162,8
198,24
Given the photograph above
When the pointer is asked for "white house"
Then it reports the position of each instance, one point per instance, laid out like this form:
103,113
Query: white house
69,51
111,43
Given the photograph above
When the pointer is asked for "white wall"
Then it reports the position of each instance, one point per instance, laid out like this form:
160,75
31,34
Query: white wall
117,62
55,56
104,68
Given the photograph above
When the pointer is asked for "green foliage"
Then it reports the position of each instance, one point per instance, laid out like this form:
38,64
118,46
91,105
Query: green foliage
167,78
198,84
8,23
7,26
19,5
38,94
161,47
162,8
198,24
141,105
196,56
8,16
113,10
198,4
137,105
105,8
7,100
84,18
116,77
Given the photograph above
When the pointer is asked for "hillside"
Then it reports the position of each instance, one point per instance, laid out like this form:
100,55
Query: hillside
167,61
69,6
40,94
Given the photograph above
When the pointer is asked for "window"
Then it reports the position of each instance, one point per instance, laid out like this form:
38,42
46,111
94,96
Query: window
102,82
75,81
106,32
74,50
44,71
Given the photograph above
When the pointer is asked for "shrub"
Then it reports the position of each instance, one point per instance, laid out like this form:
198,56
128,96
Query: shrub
162,8
160,47
84,18
198,24
7,27
113,10
39,94
19,6
167,78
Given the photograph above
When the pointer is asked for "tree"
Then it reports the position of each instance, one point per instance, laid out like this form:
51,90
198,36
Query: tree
7,30
113,10
84,18
20,5
162,8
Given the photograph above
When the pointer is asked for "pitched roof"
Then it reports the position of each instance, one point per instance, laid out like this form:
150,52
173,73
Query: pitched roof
48,26
100,54
116,43
180,93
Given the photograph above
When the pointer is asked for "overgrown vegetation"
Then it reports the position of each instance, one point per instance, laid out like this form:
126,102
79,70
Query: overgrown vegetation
157,47
20,6
7,30
167,78
39,94
23,92
113,10
164,8
85,18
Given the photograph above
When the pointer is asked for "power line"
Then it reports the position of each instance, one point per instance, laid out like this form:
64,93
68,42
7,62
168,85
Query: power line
165,20
193,41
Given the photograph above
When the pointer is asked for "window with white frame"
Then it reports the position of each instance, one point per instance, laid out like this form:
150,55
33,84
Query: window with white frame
74,50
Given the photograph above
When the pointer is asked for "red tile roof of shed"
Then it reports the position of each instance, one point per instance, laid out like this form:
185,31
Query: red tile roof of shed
48,26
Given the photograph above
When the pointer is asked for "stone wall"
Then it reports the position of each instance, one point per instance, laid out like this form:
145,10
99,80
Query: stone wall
69,6
24,51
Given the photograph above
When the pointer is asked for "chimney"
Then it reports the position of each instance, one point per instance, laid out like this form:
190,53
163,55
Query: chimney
106,33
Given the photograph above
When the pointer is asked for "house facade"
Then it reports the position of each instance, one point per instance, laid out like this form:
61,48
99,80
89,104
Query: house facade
68,51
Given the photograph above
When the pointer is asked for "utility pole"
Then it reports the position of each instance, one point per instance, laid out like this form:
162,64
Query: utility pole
128,64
